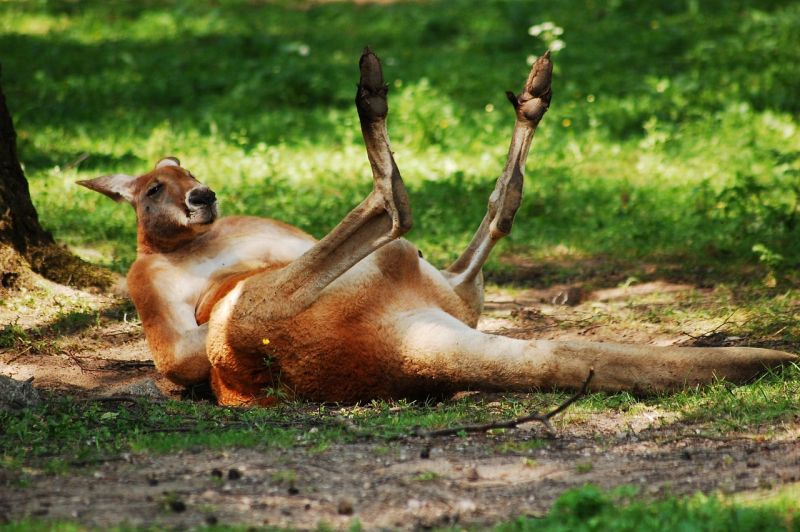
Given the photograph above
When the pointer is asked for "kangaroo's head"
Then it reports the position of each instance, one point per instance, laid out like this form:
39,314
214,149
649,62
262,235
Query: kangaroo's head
172,207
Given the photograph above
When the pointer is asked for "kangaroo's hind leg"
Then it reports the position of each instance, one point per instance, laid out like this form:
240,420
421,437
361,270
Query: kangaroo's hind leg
530,106
382,217
240,320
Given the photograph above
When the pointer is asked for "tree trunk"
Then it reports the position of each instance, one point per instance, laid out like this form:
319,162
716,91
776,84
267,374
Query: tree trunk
24,244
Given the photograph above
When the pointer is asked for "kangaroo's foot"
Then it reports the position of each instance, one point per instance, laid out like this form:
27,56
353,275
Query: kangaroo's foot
530,106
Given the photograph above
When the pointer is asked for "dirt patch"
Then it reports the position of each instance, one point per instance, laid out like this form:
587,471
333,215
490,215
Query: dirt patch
69,340
473,480
87,344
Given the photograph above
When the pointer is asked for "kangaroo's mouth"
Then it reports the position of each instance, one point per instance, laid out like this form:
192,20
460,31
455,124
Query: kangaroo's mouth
205,215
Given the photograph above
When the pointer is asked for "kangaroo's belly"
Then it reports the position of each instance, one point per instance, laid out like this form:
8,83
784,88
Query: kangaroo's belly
341,348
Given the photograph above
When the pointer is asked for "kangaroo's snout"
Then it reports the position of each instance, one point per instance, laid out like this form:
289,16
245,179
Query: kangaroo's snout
200,197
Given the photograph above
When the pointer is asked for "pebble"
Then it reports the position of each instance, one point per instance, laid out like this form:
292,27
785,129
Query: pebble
344,507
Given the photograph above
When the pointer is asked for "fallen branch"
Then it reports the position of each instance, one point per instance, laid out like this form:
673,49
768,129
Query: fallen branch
512,423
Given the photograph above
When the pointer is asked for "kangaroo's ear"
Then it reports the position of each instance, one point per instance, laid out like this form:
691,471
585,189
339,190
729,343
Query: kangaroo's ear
168,161
119,187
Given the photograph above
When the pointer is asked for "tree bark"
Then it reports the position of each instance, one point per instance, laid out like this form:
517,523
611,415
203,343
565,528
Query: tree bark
24,244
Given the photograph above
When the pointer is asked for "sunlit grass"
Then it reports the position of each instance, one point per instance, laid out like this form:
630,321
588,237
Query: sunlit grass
673,138
672,133
590,508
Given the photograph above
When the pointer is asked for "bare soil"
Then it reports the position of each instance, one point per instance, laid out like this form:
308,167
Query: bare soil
411,483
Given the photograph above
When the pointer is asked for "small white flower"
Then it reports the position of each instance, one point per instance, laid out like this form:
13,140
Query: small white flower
557,45
535,31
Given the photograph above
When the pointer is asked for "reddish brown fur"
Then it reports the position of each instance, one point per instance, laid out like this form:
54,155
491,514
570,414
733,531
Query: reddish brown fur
218,287
341,349
266,310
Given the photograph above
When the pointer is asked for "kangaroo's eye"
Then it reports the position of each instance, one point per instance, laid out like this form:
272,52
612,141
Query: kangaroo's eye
155,189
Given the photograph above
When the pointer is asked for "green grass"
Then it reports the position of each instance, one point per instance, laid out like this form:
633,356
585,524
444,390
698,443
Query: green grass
64,432
673,139
673,132
772,399
766,403
589,508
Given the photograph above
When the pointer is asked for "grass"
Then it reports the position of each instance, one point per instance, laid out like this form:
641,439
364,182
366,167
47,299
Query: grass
64,433
589,508
772,399
762,405
672,141
666,121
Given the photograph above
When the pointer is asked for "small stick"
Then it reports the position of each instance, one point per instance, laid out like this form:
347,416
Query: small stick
22,353
715,329
513,423
704,436
123,398
114,365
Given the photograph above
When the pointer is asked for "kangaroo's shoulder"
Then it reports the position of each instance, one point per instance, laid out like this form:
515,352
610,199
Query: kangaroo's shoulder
248,238
256,226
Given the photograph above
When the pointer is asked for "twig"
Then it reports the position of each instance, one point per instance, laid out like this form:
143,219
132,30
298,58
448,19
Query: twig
97,460
22,353
124,398
590,328
110,364
776,333
127,364
715,329
704,436
118,333
77,360
512,423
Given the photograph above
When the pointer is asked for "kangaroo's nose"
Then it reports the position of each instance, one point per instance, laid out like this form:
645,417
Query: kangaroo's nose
200,197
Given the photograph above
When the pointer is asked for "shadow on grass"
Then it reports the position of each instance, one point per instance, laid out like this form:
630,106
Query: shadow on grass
71,323
258,65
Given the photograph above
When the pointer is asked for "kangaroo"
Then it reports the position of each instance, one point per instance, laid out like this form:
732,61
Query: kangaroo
267,311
